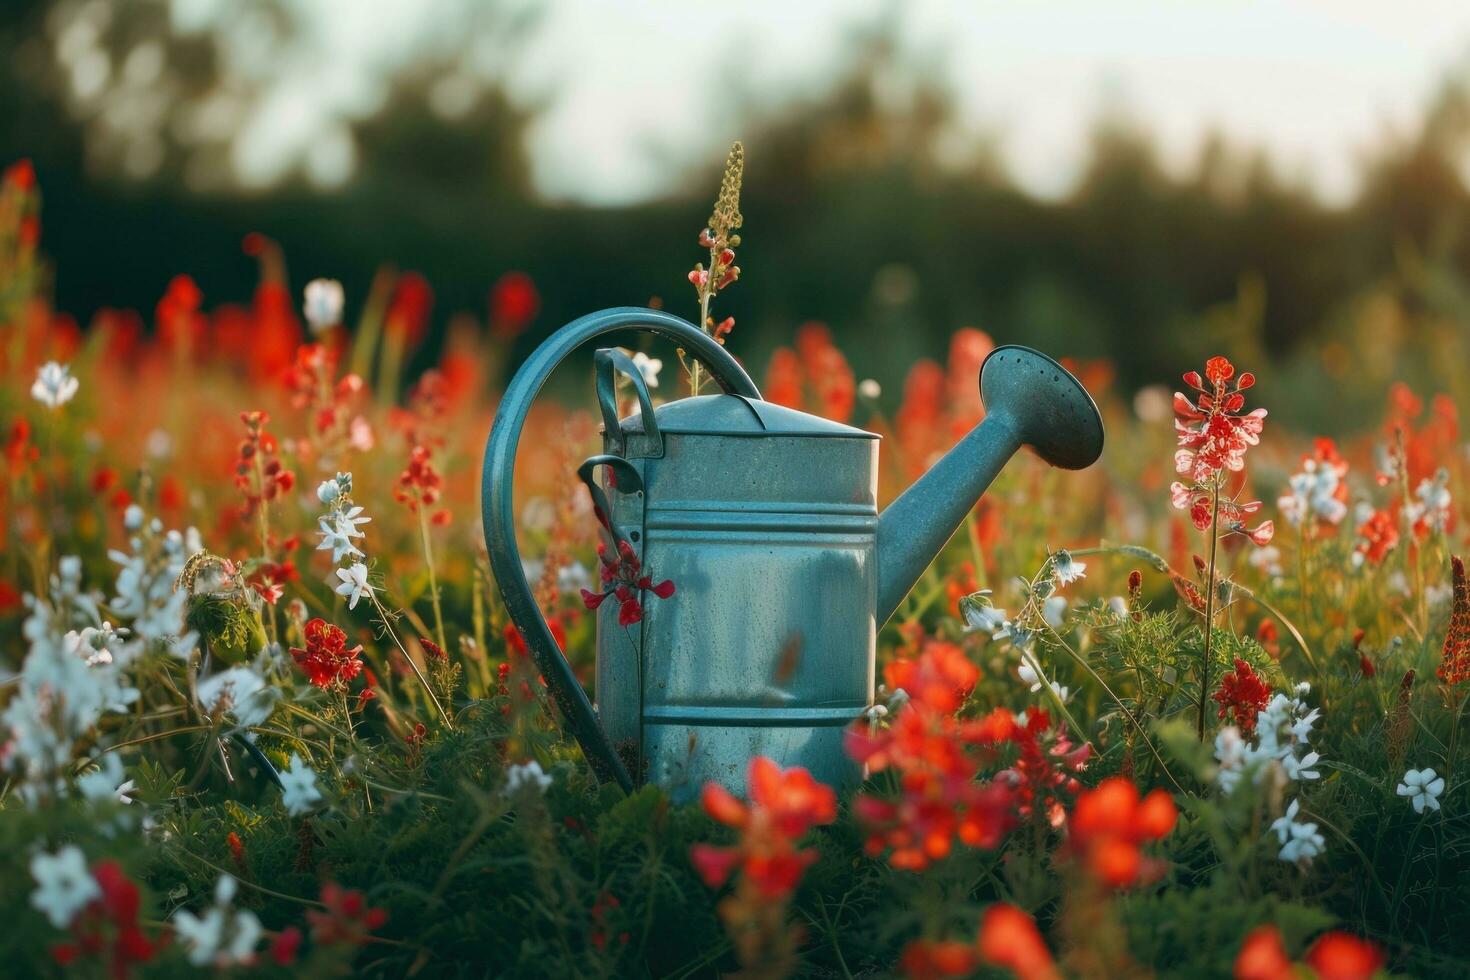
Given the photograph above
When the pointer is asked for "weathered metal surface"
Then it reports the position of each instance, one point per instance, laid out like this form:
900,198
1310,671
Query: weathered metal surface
766,520
497,504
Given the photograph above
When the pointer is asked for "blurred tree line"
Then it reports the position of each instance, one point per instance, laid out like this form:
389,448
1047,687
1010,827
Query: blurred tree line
855,212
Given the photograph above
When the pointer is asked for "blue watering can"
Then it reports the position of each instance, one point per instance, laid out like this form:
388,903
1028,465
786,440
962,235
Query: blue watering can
766,519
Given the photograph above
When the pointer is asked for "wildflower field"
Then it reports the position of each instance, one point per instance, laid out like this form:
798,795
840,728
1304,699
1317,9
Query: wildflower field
1194,711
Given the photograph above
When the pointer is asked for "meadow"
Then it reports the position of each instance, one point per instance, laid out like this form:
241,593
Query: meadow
1195,711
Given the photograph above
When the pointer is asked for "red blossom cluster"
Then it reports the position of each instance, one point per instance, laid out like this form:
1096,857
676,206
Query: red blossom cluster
1108,826
1008,939
270,578
1454,662
815,375
514,303
347,920
1334,956
1418,450
327,659
784,805
1377,536
407,319
259,475
1213,439
108,930
1044,773
1243,694
336,424
937,758
623,577
420,485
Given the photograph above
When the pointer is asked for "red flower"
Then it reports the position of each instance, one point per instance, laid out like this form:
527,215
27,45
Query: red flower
1379,534
941,678
285,946
108,928
1110,822
783,378
1009,938
514,302
1262,957
1340,956
347,921
624,579
931,960
784,805
20,175
327,660
1213,439
1454,663
1244,693
408,312
1334,956
420,484
937,759
259,475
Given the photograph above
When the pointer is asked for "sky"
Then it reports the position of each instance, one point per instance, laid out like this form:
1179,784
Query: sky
634,86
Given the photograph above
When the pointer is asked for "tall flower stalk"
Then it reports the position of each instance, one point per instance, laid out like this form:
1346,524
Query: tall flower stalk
721,239
1214,435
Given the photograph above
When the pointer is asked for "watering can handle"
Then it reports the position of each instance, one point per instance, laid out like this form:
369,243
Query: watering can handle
497,504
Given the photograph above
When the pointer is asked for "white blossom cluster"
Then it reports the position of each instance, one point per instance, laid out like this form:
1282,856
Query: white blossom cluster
223,936
1432,502
77,664
1281,750
75,670
340,534
145,584
1311,494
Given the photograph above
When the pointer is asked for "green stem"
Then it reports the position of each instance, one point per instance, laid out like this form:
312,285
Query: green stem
433,578
1204,667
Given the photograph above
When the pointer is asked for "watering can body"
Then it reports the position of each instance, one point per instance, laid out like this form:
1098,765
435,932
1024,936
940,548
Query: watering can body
766,520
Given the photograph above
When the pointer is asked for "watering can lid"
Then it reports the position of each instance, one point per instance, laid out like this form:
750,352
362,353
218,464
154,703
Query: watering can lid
734,415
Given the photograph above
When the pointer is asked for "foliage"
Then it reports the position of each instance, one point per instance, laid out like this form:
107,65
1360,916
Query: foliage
353,740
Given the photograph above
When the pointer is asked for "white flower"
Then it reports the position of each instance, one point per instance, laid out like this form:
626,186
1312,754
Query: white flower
354,583
240,692
1267,560
105,783
299,791
649,367
870,389
980,615
133,517
327,491
875,713
223,936
1301,768
1021,638
1118,606
1300,842
54,385
1054,611
1431,502
338,529
1029,675
1065,569
526,774
1230,750
64,885
1423,788
1313,494
323,305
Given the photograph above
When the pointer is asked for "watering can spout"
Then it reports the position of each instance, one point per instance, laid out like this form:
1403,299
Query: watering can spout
1030,400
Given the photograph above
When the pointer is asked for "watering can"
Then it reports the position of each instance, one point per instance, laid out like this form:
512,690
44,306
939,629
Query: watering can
766,520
